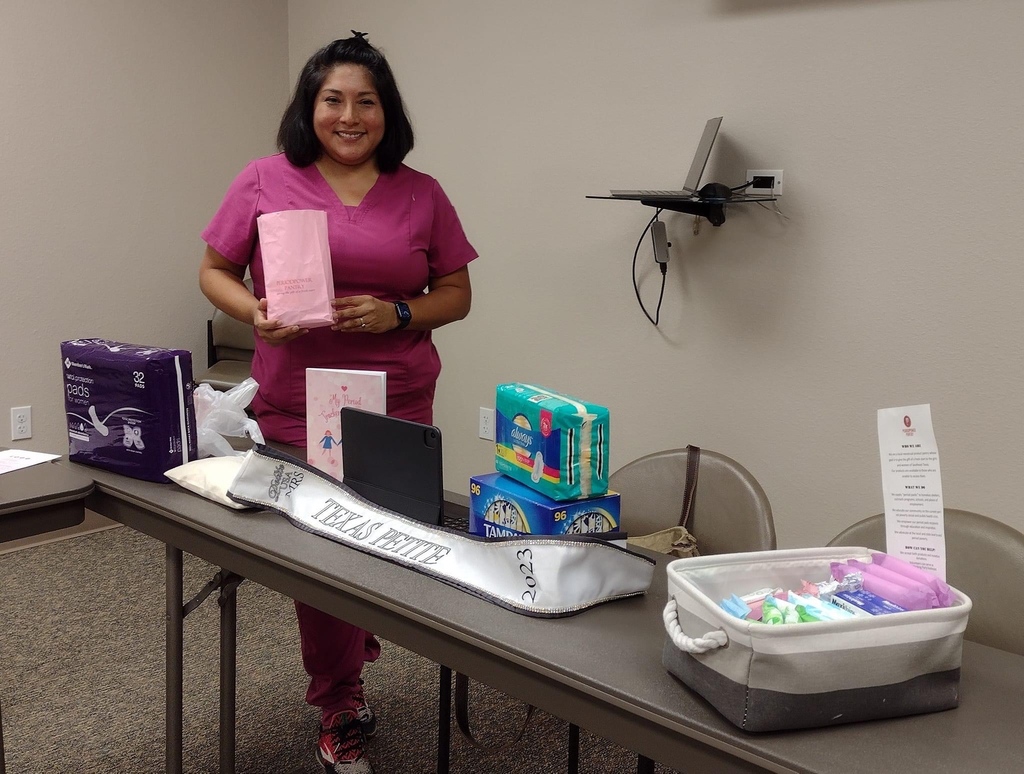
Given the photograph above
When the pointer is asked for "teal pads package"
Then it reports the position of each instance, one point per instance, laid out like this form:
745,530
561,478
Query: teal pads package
552,443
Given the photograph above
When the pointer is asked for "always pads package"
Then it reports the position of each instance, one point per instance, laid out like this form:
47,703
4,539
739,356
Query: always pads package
553,443
129,408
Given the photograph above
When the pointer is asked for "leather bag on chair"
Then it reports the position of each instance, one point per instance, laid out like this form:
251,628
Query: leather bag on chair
677,541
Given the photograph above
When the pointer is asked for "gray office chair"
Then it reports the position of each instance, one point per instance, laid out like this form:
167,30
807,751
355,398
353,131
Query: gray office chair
730,511
229,348
984,559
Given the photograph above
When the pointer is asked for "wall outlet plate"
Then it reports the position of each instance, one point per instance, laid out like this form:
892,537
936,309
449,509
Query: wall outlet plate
486,423
21,423
774,190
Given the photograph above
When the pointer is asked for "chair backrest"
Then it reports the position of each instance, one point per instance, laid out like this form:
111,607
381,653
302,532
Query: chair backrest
984,559
730,511
228,339
229,350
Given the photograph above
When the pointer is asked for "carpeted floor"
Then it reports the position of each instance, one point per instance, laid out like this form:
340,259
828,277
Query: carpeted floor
82,678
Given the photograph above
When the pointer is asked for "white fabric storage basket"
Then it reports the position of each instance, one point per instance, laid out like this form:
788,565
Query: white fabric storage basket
765,677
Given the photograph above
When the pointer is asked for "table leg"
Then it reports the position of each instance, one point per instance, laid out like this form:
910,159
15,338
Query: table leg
175,649
444,720
228,628
644,765
574,749
3,765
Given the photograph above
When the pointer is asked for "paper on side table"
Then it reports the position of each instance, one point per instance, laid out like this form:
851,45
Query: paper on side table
16,459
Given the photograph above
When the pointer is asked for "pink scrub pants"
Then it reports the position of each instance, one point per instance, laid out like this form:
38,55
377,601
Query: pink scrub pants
333,654
333,651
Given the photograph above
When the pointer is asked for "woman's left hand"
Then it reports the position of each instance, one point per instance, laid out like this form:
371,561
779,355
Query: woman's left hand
363,314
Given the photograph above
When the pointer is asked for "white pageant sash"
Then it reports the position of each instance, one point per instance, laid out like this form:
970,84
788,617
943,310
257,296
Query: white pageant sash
543,576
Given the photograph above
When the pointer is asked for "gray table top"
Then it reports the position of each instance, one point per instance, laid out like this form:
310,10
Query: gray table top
607,657
47,483
41,498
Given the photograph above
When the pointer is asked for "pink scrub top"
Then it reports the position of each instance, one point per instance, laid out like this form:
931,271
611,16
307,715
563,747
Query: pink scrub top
404,232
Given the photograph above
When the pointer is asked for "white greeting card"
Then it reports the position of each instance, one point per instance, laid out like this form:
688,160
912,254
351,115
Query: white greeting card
912,487
328,391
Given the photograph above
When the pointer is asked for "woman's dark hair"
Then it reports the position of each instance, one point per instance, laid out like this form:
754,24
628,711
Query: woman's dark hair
297,137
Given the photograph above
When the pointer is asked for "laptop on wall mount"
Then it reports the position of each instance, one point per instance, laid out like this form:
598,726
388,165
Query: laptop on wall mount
707,201
692,182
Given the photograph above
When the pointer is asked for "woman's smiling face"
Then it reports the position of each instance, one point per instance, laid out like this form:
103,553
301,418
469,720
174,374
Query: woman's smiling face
348,117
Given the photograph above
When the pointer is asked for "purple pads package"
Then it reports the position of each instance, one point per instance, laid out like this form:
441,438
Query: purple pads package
129,408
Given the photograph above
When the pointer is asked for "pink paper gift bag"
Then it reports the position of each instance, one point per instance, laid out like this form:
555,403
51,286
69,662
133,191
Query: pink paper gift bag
297,267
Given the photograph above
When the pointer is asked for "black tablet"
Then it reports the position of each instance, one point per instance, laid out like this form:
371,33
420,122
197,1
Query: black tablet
394,463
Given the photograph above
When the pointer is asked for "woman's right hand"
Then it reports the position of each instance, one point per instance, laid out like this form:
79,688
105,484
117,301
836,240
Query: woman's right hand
271,331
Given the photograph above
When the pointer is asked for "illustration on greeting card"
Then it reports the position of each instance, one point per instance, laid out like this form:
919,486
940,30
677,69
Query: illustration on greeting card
328,391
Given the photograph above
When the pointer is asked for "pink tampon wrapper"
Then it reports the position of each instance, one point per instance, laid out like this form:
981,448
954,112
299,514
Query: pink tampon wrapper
914,586
755,601
941,588
811,589
823,590
893,592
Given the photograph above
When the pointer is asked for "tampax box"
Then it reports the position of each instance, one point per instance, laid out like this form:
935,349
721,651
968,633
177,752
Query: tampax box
502,507
129,408
551,442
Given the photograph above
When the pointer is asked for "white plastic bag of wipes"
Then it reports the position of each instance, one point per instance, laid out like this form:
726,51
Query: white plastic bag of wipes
220,414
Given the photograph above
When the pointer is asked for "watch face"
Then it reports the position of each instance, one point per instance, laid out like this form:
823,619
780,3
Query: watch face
505,513
404,314
591,521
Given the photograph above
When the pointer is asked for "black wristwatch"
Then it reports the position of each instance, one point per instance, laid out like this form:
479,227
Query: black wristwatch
404,315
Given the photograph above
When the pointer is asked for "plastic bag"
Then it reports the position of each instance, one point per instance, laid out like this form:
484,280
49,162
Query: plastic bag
220,414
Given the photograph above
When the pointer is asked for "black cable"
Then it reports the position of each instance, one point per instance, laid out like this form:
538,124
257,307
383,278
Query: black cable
664,271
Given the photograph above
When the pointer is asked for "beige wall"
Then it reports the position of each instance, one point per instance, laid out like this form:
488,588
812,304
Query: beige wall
895,279
121,125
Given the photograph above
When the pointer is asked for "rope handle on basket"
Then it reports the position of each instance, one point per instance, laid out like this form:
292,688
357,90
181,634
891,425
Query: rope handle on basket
710,641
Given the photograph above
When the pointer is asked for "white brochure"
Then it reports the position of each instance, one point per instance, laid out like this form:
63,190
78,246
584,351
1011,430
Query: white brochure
16,459
912,487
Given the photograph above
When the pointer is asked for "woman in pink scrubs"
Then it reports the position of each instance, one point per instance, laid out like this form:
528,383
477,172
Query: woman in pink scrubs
400,261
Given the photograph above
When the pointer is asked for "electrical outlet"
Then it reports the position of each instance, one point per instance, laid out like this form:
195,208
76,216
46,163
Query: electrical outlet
21,423
767,182
486,424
